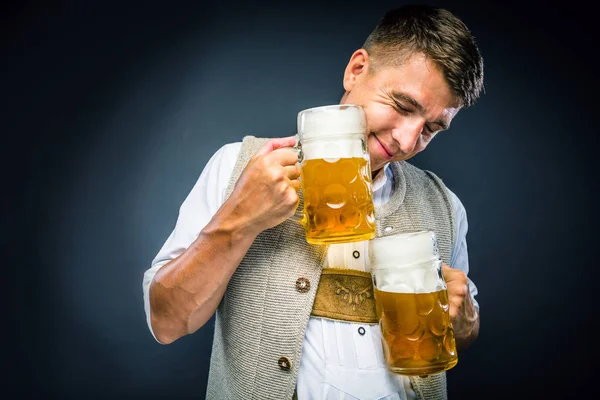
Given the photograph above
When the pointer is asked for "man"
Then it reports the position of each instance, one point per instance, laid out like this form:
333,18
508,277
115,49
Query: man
234,251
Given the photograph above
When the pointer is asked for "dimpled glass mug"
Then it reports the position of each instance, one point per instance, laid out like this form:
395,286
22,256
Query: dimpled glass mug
412,304
335,174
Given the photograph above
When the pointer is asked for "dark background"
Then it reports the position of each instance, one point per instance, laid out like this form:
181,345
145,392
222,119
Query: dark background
110,110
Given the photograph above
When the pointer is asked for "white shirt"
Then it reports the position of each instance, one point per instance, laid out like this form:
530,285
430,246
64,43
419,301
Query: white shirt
337,361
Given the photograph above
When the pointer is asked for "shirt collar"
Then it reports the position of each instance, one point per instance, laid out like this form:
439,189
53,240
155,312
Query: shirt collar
382,177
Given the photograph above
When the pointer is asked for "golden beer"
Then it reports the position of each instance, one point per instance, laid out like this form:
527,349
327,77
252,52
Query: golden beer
417,336
338,202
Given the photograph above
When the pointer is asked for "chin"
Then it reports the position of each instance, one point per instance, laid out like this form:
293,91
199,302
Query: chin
375,167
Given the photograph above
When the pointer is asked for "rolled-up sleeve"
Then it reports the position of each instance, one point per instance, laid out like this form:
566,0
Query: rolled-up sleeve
201,204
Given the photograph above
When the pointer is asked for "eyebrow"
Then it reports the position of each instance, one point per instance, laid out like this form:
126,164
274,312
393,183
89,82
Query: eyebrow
417,105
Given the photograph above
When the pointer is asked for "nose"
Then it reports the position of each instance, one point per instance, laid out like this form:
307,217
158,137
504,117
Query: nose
408,135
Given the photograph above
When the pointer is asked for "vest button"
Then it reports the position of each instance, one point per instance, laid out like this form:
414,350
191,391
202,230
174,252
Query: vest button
284,363
355,254
361,331
302,285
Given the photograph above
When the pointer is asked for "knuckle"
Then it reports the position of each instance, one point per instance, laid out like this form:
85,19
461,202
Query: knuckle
457,291
278,190
274,175
291,197
461,291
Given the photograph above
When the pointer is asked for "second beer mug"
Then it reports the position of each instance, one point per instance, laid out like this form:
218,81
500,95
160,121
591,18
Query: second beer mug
412,304
336,174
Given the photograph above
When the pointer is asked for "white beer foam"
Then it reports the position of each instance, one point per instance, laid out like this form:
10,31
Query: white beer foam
331,120
423,279
403,249
332,132
406,263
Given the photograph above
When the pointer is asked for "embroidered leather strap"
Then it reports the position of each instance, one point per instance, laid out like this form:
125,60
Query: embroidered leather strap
345,295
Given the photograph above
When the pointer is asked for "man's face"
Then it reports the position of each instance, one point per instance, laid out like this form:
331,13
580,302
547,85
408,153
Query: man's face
405,106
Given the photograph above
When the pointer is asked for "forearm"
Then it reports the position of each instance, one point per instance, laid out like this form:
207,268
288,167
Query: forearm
185,292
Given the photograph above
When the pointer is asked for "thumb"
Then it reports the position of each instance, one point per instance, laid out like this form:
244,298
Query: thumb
447,271
275,144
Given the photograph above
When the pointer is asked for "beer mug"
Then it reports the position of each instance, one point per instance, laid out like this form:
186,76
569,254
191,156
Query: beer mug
335,174
412,304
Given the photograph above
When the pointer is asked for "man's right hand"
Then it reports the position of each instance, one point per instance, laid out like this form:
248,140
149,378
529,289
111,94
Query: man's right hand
266,192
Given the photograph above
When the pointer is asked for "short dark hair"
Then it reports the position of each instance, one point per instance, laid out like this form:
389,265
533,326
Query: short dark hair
440,36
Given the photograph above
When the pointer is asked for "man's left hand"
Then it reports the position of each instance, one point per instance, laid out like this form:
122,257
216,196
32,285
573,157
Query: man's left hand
463,314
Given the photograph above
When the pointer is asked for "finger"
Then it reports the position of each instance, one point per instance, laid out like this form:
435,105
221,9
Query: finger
446,271
292,171
455,277
295,184
277,143
285,156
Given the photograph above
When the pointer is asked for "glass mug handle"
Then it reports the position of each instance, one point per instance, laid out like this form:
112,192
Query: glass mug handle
298,216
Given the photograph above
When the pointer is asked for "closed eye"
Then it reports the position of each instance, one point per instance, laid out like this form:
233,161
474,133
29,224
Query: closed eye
401,108
428,129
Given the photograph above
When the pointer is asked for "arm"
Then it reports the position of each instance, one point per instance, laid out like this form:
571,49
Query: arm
186,291
464,310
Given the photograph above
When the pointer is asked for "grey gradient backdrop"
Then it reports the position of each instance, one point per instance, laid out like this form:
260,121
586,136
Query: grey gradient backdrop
111,110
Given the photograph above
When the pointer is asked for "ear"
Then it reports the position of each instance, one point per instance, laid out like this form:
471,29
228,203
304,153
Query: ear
358,64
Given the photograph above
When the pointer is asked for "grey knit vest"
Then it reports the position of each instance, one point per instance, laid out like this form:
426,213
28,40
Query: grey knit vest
262,316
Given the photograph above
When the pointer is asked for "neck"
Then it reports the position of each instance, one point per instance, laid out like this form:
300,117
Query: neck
375,172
